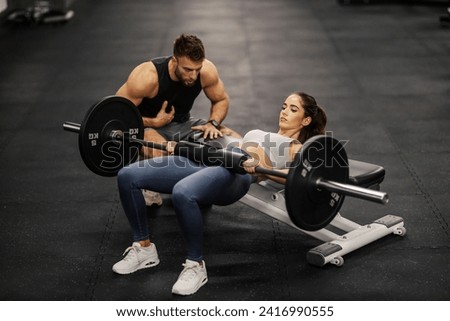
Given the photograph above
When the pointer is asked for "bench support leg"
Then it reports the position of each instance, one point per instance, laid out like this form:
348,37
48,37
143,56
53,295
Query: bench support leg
272,203
333,252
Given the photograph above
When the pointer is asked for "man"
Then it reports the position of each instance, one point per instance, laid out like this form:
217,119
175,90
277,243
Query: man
165,88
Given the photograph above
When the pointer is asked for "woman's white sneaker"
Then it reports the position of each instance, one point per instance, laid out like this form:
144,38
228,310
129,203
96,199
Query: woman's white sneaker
136,258
192,278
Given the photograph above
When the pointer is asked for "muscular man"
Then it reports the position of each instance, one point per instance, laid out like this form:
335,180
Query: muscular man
165,88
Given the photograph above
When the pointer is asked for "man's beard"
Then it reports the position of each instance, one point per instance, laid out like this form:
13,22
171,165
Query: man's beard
183,81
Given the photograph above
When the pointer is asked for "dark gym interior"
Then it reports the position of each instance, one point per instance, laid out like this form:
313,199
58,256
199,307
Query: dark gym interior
380,69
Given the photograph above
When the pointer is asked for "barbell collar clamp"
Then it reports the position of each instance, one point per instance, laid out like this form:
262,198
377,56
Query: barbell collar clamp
116,135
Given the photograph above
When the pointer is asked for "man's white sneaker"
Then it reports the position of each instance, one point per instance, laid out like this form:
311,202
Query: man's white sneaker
136,258
152,198
192,278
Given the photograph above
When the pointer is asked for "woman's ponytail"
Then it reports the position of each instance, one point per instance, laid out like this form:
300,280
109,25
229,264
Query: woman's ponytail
318,118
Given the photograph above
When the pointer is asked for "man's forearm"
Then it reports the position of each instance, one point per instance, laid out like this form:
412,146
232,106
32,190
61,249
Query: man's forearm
150,122
219,111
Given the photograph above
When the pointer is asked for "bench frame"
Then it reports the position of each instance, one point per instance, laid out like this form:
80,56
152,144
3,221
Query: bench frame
269,200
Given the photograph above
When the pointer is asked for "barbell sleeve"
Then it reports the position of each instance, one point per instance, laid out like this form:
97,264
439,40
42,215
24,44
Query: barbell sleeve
352,190
332,186
71,127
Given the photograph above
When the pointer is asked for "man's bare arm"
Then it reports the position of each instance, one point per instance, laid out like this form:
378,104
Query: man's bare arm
143,82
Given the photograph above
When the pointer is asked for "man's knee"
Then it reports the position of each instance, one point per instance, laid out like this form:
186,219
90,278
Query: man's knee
124,177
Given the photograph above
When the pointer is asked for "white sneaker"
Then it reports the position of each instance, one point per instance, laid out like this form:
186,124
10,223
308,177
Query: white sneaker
192,278
152,198
136,258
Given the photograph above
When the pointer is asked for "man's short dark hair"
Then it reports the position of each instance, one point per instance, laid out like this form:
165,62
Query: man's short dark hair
189,46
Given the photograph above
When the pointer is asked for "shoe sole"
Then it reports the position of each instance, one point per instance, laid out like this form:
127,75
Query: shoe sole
157,203
154,204
142,266
205,280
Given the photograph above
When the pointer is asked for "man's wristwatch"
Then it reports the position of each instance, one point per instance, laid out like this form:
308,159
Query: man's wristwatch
214,123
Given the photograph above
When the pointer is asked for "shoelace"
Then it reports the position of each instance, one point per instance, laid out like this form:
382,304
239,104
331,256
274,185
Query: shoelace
188,273
131,253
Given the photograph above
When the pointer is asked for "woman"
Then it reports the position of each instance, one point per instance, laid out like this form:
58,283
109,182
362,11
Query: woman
300,118
192,185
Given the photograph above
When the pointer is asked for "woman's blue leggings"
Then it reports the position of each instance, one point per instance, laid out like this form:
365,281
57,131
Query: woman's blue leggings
191,184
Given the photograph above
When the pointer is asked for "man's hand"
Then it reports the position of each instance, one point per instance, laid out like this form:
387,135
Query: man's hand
163,118
170,147
209,131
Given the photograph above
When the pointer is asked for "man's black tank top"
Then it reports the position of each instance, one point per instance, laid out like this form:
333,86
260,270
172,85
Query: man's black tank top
179,96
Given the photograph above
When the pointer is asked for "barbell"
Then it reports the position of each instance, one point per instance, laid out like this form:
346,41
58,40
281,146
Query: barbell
111,135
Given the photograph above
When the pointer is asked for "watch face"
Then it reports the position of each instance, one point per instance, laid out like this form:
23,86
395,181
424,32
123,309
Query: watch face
214,123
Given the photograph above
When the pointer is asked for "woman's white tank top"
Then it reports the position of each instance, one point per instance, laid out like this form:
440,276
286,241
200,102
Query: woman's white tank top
275,146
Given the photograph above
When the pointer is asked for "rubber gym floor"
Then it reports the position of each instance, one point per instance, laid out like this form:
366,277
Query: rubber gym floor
380,70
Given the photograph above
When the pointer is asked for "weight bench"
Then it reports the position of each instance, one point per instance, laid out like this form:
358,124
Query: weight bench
268,198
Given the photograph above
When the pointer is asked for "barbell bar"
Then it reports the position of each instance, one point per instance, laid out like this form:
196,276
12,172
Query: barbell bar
321,183
111,135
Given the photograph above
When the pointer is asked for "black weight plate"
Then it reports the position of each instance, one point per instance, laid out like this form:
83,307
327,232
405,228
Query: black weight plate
309,208
100,153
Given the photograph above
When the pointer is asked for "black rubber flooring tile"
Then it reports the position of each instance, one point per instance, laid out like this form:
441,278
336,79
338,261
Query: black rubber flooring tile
398,180
52,171
425,227
422,137
50,250
334,85
70,229
395,85
346,111
363,138
415,66
384,47
34,278
391,275
313,64
406,108
431,173
237,88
